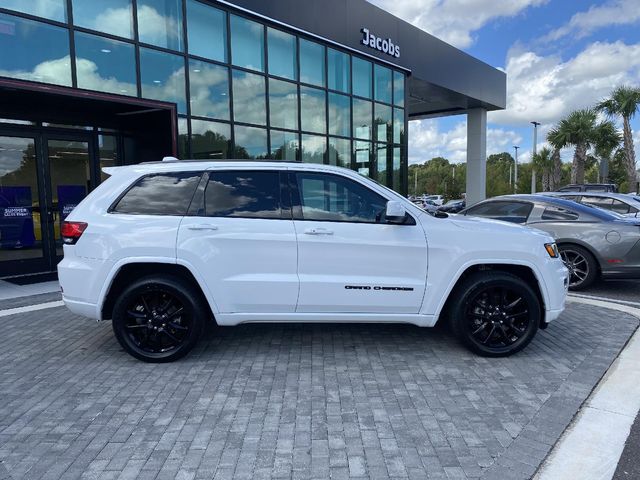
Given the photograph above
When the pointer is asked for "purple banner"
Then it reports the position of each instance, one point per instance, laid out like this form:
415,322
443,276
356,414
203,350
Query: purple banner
16,217
69,196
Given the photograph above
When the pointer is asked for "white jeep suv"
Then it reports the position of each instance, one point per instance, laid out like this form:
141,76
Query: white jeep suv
162,248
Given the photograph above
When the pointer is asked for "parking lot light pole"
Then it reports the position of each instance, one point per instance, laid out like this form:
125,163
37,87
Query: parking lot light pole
515,171
535,145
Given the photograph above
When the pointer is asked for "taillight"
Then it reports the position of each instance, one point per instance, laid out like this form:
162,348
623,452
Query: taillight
72,231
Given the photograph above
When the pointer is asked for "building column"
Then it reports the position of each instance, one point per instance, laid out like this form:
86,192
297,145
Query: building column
476,155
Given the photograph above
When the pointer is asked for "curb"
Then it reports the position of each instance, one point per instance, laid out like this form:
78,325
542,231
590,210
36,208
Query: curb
591,447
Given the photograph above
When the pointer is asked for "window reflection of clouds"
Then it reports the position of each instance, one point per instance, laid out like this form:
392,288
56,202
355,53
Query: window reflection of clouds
160,23
249,104
251,142
247,43
112,16
13,152
382,83
313,109
383,122
339,115
283,104
362,118
162,77
313,148
160,195
253,195
51,9
207,31
282,54
209,88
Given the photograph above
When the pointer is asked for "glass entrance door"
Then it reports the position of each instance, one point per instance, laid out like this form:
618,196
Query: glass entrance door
69,180
42,178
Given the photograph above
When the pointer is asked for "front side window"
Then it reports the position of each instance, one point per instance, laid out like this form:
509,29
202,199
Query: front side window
243,194
515,212
159,194
325,197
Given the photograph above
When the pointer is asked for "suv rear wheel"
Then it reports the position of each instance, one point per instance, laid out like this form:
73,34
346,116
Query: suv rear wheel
495,314
158,319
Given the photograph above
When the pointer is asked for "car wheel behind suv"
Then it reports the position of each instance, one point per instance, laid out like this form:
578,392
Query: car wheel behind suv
495,314
583,269
158,319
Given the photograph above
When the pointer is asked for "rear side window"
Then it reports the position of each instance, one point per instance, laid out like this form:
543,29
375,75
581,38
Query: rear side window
600,202
558,214
159,194
243,194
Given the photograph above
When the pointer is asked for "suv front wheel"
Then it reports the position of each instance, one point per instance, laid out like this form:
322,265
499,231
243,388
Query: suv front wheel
495,314
158,319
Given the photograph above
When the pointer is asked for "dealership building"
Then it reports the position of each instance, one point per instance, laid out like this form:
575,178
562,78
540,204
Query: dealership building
86,84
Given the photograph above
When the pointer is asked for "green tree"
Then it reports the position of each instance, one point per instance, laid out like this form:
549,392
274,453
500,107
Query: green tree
556,140
607,139
577,129
623,102
544,163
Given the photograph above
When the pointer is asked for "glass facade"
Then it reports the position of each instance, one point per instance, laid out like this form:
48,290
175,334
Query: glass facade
244,88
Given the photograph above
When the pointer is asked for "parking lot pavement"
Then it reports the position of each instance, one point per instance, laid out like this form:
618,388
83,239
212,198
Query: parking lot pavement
299,401
615,291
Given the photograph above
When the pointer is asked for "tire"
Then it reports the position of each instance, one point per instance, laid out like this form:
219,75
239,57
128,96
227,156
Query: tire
494,314
583,268
158,318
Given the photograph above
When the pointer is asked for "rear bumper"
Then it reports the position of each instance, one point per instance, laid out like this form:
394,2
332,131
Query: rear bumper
82,308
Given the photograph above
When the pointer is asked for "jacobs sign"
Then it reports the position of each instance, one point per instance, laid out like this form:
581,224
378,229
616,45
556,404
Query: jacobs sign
379,43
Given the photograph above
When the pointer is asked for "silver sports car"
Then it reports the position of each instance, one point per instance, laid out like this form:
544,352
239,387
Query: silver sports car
592,242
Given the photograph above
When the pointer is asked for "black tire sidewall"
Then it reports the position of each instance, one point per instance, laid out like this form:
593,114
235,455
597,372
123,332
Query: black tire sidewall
190,302
591,261
470,288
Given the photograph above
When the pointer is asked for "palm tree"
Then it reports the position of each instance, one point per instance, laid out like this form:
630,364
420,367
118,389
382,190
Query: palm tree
607,139
557,142
623,102
543,162
578,129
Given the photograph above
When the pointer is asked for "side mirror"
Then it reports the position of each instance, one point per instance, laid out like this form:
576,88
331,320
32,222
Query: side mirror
395,212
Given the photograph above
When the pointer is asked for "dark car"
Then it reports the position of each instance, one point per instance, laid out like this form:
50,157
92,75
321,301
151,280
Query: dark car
452,206
592,242
590,187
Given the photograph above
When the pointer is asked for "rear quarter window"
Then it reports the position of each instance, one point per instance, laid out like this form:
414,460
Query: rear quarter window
159,194
558,214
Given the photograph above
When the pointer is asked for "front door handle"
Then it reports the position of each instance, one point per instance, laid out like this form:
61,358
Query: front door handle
203,226
318,231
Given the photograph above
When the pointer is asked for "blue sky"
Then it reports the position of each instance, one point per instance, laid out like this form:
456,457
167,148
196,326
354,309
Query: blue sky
559,55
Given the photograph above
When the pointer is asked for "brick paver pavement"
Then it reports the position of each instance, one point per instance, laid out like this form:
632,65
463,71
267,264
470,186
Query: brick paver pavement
299,401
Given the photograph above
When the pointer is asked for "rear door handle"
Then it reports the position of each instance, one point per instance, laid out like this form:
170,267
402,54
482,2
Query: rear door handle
318,231
203,226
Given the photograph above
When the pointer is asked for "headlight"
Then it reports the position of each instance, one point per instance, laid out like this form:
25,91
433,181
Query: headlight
552,250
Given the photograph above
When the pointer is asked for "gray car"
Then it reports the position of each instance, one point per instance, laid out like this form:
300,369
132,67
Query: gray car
623,203
592,242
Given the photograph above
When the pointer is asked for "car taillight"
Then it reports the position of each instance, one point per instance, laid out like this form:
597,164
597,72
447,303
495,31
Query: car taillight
72,231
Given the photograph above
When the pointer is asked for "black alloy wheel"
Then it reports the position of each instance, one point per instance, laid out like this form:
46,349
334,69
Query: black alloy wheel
581,266
158,319
495,313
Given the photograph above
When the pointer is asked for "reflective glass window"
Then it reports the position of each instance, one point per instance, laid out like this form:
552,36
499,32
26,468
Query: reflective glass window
338,71
39,52
340,152
282,54
362,157
313,148
339,115
51,9
362,115
515,212
398,89
162,77
313,109
210,140
361,77
160,23
108,153
283,104
247,43
251,142
160,194
335,198
396,181
312,64
249,102
382,83
105,65
209,89
207,31
398,125
384,159
243,194
183,138
284,145
383,122
110,16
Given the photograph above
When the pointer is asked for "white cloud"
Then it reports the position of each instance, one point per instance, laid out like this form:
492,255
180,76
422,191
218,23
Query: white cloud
426,141
617,12
454,21
545,89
